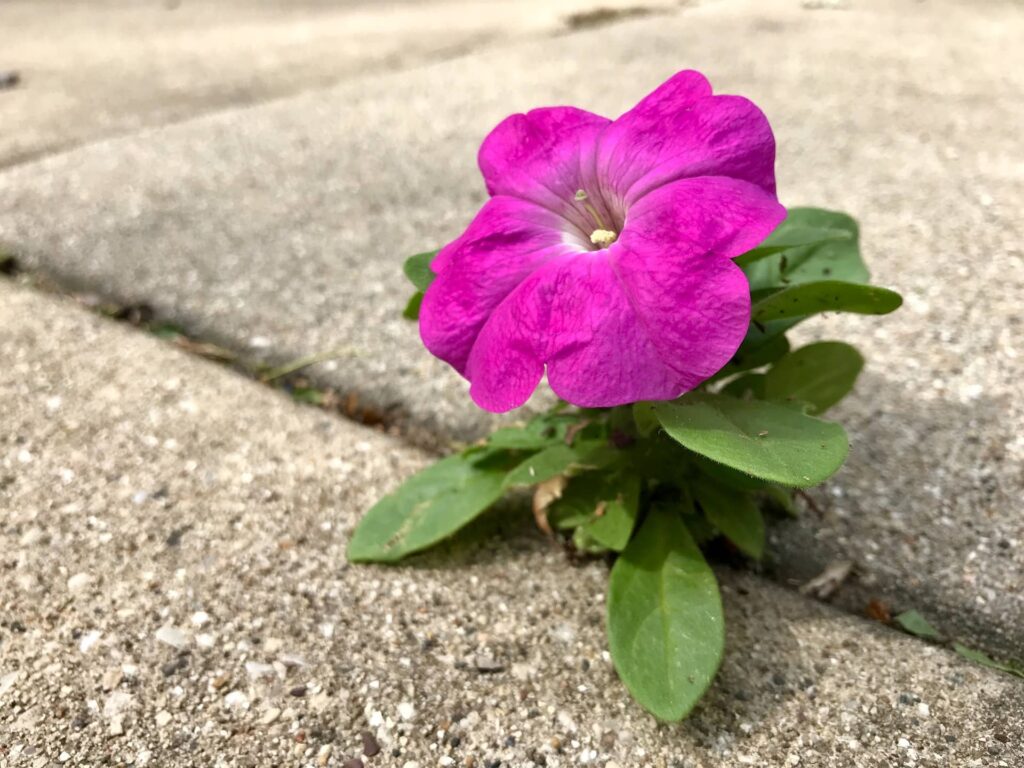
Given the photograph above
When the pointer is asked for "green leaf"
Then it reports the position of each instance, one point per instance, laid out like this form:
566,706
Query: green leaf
167,331
309,395
666,631
832,259
427,508
584,542
412,309
643,417
700,529
550,462
780,498
735,514
750,385
417,269
987,661
917,625
727,476
575,507
659,457
766,440
820,374
559,460
798,301
615,514
540,432
786,238
761,350
604,505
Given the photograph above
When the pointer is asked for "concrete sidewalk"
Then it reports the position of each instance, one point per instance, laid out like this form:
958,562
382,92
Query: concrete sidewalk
177,594
279,230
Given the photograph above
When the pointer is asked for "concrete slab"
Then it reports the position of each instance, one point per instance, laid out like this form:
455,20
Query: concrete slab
176,594
91,70
282,229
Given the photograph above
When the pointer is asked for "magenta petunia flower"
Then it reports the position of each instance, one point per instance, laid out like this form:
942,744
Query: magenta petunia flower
604,253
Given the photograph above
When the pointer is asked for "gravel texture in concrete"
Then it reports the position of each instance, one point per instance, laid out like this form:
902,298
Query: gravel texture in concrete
176,593
85,71
280,231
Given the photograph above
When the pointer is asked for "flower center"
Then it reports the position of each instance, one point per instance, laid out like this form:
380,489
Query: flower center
601,236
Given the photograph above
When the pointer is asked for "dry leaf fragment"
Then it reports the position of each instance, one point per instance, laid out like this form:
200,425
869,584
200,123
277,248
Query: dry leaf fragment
575,429
878,611
544,495
829,580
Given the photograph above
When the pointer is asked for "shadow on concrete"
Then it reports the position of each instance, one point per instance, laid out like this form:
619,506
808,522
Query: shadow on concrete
928,509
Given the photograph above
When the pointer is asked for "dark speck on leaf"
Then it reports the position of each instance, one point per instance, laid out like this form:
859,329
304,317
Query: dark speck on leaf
9,79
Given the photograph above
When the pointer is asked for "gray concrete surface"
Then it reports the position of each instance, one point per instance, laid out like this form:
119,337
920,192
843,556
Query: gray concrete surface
106,67
279,231
176,593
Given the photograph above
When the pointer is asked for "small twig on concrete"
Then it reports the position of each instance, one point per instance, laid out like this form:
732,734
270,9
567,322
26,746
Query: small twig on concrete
302,362
809,500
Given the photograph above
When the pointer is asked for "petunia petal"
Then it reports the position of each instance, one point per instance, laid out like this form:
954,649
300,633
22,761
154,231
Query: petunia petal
707,215
541,155
681,130
508,239
696,310
600,346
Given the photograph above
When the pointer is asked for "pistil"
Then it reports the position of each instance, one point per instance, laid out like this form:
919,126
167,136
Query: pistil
581,197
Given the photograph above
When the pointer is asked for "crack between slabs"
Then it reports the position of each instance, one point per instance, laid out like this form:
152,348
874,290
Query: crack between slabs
287,375
287,378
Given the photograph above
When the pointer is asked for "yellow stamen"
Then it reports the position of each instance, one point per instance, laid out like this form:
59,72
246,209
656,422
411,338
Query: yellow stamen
602,237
